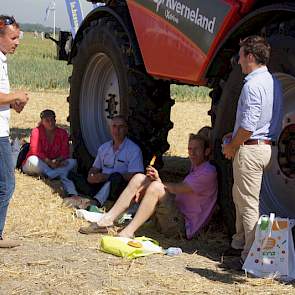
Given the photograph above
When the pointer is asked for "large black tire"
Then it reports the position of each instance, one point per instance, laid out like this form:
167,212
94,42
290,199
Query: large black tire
274,189
224,123
277,189
105,82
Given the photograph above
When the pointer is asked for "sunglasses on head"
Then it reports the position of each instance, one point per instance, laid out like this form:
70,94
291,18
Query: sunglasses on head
7,21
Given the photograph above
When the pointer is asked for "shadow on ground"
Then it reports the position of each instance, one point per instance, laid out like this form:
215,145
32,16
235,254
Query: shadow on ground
224,277
56,186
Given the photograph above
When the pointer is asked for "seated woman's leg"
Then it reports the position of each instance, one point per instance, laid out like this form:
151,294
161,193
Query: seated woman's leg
63,171
71,163
68,186
35,166
154,193
138,182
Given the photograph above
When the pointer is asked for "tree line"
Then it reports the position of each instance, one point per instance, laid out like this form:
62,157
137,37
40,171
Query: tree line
26,27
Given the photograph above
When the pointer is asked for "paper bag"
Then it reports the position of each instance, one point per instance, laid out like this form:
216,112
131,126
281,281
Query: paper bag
272,253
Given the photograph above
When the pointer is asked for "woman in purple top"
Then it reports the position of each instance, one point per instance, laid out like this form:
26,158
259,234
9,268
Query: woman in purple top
189,203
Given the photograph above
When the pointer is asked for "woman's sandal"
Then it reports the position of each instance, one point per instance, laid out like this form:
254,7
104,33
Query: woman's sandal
94,228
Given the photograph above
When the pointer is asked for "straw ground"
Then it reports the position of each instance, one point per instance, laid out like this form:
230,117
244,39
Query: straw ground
55,259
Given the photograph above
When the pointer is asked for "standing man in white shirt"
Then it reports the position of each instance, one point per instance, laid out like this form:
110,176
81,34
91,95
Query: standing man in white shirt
257,125
9,40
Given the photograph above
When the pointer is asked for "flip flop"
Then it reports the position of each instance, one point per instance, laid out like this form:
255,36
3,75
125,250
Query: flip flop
94,228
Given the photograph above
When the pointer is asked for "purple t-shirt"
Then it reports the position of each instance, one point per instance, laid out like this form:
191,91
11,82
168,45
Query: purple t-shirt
198,205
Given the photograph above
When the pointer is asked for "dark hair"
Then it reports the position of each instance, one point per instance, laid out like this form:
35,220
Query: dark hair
206,132
201,138
6,20
258,47
47,113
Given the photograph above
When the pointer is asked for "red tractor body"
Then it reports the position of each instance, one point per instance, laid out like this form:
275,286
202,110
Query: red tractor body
178,41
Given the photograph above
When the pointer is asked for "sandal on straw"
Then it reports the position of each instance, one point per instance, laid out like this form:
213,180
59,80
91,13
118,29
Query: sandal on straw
94,228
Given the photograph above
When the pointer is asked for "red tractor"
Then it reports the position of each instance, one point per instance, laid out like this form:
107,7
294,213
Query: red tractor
126,54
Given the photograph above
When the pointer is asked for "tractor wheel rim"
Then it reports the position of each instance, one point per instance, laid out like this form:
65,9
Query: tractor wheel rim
277,191
99,101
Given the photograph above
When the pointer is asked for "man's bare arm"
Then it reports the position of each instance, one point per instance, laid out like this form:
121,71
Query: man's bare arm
241,136
18,107
178,188
13,97
95,176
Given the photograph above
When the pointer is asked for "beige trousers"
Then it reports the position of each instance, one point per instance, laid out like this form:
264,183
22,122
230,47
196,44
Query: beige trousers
249,163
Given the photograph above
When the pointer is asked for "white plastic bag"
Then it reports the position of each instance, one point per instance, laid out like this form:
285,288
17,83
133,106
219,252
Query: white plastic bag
89,216
272,254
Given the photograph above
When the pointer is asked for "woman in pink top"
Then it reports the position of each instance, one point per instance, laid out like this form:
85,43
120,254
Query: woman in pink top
189,203
49,151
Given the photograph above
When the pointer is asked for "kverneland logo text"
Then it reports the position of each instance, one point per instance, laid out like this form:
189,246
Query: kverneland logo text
180,9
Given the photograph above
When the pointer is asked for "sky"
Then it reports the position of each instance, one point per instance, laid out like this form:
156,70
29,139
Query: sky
34,11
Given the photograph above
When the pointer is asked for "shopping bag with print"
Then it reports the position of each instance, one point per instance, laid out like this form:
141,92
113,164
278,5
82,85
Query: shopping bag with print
272,254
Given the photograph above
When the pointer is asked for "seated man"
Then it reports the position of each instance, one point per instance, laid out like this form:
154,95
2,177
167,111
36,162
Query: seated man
117,161
49,151
194,198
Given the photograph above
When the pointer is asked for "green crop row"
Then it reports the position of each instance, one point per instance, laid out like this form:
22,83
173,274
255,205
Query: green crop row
35,68
190,93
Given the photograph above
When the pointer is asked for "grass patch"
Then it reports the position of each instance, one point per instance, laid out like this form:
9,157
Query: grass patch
190,93
34,66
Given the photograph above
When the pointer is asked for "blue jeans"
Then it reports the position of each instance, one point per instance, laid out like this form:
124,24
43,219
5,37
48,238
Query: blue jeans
7,179
35,166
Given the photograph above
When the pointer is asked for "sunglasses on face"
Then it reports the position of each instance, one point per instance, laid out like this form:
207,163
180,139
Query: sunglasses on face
7,21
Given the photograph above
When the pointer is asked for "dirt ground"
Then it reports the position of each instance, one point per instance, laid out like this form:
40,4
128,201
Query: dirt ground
55,259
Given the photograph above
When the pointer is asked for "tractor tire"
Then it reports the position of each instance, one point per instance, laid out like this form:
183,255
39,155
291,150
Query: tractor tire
224,123
277,188
105,82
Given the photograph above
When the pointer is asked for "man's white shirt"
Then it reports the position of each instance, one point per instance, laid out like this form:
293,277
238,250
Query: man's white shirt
4,88
127,159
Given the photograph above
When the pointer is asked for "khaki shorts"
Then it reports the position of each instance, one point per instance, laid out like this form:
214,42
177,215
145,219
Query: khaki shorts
168,219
